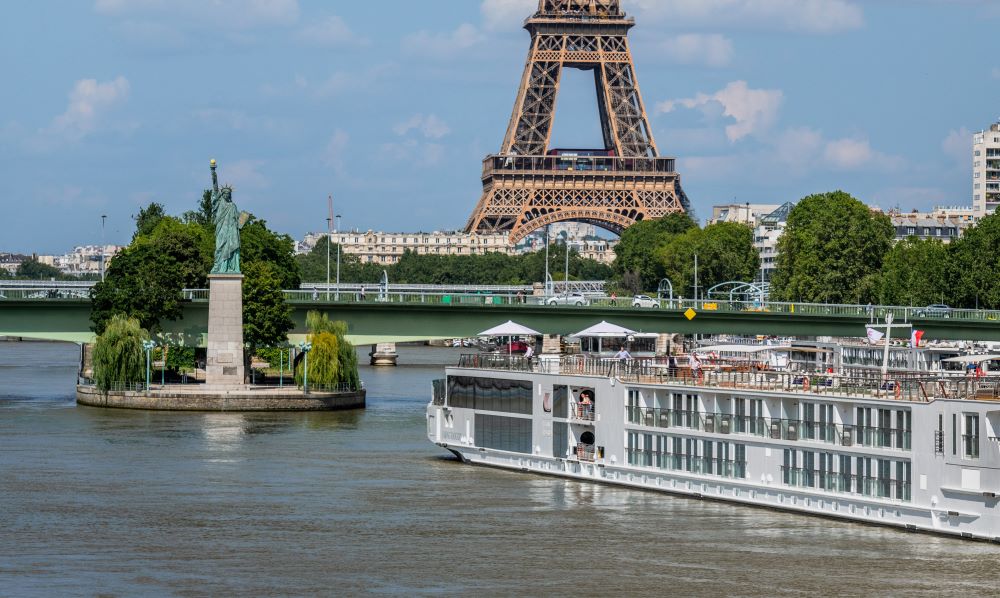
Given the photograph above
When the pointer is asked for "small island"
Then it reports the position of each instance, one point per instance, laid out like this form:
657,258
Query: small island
143,287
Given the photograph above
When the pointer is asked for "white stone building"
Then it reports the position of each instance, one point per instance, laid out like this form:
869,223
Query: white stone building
986,171
386,248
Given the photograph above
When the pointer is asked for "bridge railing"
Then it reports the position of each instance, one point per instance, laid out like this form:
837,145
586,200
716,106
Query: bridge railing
515,296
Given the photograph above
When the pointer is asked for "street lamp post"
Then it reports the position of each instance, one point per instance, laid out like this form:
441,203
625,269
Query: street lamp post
546,260
103,218
305,347
148,346
338,258
329,236
566,272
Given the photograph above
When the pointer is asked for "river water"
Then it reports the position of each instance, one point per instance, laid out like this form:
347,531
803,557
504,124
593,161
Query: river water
106,502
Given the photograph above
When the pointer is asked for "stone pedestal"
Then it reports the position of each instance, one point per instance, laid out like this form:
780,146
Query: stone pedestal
224,365
551,344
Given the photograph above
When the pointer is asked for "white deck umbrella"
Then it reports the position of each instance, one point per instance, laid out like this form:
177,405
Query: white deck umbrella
605,330
510,329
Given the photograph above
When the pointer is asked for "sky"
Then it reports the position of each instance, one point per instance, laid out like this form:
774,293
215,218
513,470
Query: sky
390,106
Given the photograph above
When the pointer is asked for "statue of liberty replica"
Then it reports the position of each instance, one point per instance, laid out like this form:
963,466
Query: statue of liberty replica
224,365
228,223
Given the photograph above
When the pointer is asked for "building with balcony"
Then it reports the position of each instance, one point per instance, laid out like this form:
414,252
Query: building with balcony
743,213
986,171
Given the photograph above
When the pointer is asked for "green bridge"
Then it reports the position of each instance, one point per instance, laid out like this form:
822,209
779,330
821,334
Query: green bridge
399,317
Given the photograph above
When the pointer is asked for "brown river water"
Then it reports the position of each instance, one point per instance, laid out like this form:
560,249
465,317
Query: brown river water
127,503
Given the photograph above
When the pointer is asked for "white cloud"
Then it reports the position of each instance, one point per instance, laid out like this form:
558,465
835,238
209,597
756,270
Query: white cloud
89,101
809,16
798,147
506,14
443,45
216,14
333,153
914,197
328,32
958,145
857,154
712,50
430,126
754,110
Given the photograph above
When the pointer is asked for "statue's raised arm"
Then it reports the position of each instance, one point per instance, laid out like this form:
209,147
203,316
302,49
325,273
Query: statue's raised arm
227,228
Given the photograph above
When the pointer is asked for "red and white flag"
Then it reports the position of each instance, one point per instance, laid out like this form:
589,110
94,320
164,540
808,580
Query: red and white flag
874,336
915,338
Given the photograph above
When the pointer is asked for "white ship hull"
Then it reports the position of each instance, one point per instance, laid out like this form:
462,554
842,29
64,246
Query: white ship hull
913,474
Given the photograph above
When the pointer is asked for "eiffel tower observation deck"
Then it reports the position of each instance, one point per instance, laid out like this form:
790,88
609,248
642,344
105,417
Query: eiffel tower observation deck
529,185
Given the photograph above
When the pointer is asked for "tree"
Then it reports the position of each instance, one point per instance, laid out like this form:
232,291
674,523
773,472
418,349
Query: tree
145,279
915,272
32,269
975,259
260,244
147,219
831,251
725,252
332,360
266,317
118,353
639,243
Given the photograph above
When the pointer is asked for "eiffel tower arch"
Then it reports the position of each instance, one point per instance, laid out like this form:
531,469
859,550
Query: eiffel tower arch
528,185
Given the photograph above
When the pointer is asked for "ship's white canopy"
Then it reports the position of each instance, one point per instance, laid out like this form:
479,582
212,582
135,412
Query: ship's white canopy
972,358
605,330
510,328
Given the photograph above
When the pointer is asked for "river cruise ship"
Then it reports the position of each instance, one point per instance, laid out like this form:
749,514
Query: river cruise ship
915,450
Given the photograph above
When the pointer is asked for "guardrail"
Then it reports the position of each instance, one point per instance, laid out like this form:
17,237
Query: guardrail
513,298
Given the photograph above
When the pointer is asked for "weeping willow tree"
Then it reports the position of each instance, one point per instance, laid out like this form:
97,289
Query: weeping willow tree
118,353
332,360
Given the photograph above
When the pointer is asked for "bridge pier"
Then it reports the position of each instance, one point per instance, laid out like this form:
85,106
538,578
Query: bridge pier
383,354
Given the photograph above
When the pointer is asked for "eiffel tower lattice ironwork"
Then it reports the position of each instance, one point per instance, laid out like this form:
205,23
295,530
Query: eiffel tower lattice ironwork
526,186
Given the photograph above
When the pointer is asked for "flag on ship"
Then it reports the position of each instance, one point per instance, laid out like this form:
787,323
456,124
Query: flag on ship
874,336
915,337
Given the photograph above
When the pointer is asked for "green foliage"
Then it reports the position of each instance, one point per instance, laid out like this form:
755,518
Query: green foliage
32,269
146,278
118,353
831,251
147,219
915,272
260,244
333,359
725,252
483,269
639,245
266,317
975,259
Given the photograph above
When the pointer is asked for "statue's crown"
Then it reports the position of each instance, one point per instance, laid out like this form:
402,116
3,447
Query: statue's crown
227,188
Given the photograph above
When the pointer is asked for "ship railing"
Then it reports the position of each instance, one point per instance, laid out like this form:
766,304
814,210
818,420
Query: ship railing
582,411
585,452
896,385
730,468
832,481
770,427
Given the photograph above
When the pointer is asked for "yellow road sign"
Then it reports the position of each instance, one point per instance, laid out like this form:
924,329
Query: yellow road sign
690,314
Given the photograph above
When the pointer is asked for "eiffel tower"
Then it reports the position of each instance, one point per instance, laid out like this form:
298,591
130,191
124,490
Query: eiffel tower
528,185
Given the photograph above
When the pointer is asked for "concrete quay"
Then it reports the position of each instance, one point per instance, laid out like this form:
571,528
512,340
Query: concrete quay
202,397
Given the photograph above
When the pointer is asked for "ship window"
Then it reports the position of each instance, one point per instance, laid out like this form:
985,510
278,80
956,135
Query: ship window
503,433
560,437
970,439
490,394
559,401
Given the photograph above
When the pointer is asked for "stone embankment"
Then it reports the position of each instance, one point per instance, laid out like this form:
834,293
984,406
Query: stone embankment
228,398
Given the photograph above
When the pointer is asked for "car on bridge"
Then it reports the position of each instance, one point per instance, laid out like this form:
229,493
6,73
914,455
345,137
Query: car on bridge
938,310
645,301
568,299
